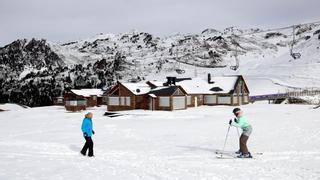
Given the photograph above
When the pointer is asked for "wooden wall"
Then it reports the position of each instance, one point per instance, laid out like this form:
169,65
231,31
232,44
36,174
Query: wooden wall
162,108
199,100
75,108
122,92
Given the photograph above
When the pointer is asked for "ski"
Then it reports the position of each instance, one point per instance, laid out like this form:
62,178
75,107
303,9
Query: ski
232,155
232,152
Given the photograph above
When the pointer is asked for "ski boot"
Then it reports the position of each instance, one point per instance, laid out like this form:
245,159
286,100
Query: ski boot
248,155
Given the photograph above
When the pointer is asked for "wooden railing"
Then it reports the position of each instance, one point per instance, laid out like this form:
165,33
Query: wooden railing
287,94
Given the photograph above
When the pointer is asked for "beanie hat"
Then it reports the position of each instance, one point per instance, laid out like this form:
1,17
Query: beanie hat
236,110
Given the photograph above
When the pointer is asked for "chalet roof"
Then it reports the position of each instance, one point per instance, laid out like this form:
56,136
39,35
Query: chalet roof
87,92
225,83
156,83
164,90
137,88
195,86
221,84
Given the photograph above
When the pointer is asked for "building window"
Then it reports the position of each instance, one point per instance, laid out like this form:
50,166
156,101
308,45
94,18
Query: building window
128,101
82,102
125,101
76,103
224,100
122,101
113,101
210,99
71,103
164,101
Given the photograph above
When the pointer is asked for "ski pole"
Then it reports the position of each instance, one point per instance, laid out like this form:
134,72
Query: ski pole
225,141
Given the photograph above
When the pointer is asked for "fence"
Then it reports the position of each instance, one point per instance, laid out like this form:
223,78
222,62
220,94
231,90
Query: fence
288,94
298,93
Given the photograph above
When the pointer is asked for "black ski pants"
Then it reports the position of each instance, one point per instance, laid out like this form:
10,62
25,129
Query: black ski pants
88,145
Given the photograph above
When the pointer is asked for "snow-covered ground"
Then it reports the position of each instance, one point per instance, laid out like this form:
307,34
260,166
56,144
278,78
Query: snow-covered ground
11,107
44,143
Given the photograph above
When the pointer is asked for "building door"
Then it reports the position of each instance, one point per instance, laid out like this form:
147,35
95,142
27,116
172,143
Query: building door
179,102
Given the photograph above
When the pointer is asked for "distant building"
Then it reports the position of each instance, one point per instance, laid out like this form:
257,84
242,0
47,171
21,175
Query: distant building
217,90
128,96
80,99
178,93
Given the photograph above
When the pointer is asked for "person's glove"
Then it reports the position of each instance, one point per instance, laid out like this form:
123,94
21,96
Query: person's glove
93,132
230,121
236,120
85,134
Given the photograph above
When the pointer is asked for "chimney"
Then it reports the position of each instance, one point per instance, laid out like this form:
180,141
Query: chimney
173,80
209,79
168,81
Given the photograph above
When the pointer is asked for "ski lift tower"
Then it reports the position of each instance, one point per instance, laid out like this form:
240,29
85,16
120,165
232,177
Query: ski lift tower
295,55
235,56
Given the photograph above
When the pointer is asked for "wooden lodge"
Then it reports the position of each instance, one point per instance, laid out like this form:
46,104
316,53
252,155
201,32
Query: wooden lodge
178,93
225,90
168,98
80,99
128,96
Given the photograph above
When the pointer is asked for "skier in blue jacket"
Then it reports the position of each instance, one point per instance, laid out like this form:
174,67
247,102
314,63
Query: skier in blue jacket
87,131
241,122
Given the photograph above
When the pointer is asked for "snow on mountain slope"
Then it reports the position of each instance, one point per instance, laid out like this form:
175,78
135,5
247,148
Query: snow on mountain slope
261,53
285,70
160,145
100,61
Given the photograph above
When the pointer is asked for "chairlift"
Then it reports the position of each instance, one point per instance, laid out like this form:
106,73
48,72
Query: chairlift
180,71
295,55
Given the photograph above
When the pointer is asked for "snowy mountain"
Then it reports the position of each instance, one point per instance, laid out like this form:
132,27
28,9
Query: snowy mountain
32,72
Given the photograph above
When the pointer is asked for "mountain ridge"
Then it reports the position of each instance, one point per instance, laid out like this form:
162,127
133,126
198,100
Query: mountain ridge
100,61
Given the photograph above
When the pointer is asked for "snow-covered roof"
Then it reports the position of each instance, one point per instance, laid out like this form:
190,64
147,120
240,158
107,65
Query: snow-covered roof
226,83
137,88
87,92
195,86
156,83
200,86
164,90
152,95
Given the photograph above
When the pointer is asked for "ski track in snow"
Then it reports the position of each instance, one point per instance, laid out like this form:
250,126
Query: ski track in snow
44,143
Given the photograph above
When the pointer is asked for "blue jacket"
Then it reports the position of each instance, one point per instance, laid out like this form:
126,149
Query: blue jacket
86,126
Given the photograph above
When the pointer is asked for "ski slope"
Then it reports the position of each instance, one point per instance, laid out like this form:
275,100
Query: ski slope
44,143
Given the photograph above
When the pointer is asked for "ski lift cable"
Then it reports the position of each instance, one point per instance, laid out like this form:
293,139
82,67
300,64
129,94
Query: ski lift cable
282,28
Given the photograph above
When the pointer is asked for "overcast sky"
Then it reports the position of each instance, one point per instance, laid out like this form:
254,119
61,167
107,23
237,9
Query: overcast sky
65,20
